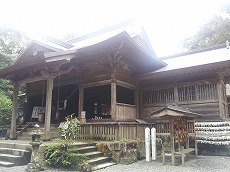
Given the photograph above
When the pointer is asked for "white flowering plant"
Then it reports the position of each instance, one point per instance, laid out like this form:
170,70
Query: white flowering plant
70,128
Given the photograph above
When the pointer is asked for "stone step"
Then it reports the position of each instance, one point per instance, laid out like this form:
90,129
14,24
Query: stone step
19,145
52,129
6,164
87,149
83,144
17,160
52,134
99,160
104,165
95,154
14,153
26,136
19,152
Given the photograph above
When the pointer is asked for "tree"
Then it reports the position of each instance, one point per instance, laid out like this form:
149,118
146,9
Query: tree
213,33
5,86
12,42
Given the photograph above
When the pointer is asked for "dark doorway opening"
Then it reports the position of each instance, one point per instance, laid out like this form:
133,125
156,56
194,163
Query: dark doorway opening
97,102
125,95
68,102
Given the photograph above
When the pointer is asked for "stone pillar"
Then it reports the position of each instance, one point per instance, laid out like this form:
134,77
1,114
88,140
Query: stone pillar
113,100
14,111
48,107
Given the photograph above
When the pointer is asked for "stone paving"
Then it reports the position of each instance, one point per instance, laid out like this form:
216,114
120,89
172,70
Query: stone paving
201,164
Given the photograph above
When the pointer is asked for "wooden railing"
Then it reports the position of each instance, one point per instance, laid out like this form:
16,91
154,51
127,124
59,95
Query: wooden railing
115,131
112,131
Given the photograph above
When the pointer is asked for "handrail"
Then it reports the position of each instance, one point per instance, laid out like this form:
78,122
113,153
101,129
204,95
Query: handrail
23,129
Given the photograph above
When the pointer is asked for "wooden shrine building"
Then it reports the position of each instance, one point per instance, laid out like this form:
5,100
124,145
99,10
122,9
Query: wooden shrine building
113,75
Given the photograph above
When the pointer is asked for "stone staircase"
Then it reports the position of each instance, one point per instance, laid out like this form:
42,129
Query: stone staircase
12,155
95,158
15,153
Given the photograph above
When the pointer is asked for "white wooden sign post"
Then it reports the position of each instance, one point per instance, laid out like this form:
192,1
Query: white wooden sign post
153,142
147,145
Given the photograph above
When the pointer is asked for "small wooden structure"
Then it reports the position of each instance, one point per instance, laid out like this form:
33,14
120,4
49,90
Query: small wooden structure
177,118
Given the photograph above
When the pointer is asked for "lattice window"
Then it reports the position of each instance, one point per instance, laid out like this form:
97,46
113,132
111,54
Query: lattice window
197,92
187,93
158,96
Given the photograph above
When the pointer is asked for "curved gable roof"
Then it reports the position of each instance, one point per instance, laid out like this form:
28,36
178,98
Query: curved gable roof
34,46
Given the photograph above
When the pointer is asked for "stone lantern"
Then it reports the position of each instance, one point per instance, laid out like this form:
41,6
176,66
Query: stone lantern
34,164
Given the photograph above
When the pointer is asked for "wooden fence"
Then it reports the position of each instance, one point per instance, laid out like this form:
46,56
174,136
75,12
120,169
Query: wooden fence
115,131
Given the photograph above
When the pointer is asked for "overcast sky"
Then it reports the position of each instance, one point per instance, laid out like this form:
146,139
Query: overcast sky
167,22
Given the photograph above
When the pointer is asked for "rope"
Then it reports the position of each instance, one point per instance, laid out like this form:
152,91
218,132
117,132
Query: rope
68,96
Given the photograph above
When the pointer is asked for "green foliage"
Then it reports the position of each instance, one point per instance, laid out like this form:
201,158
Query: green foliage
214,32
69,130
5,60
59,156
5,86
12,42
138,152
5,111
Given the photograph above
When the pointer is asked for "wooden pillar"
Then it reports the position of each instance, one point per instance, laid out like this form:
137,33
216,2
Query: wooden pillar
195,142
14,111
140,102
48,107
223,106
136,101
80,100
172,142
163,154
113,100
176,95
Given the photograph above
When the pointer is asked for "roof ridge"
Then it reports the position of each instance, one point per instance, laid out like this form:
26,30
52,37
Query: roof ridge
58,41
194,51
101,31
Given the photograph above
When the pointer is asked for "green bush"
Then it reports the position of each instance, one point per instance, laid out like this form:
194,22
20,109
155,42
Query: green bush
59,156
5,112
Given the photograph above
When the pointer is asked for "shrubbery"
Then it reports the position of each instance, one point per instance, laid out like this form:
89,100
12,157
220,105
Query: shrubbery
59,156
62,154
5,112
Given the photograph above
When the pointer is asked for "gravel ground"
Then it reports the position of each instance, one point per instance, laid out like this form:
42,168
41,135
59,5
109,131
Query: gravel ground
201,164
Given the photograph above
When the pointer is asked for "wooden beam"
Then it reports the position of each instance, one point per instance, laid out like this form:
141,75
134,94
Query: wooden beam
99,83
14,111
48,107
113,100
125,84
33,79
